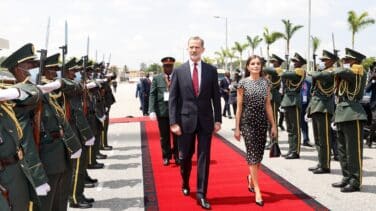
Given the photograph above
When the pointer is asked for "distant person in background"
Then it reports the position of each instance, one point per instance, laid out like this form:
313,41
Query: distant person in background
233,91
145,92
306,97
138,93
158,108
371,87
225,93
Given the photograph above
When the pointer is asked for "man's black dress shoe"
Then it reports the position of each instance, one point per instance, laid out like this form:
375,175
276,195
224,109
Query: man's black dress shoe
336,158
90,180
313,168
185,191
287,154
203,203
282,128
177,162
293,155
81,204
89,185
349,188
106,148
101,156
95,166
339,184
166,162
88,200
307,144
321,171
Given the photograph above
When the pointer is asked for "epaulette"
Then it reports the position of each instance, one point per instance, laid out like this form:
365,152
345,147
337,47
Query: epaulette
299,71
279,70
357,69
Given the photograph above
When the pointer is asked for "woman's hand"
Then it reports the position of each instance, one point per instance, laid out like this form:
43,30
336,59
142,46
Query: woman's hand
273,132
237,134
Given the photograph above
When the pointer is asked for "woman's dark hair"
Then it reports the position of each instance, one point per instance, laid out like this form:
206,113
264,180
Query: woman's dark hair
247,73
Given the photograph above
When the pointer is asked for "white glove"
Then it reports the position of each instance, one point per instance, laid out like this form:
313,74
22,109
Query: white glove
281,110
91,85
47,88
153,116
9,94
306,118
333,126
76,155
102,118
90,142
42,190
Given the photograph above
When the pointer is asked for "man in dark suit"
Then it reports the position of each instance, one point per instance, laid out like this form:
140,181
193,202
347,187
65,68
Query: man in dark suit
371,87
158,109
145,91
224,89
194,93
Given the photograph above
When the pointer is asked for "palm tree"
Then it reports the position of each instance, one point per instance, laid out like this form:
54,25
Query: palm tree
270,38
208,60
290,30
231,55
315,45
240,48
358,22
220,58
253,43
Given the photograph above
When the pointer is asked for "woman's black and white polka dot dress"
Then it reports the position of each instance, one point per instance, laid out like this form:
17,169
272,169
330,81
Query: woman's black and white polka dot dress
253,120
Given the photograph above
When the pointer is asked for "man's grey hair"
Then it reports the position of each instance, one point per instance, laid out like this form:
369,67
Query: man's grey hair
197,38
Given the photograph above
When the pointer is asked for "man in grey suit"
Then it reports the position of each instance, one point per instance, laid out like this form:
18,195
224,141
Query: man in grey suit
194,93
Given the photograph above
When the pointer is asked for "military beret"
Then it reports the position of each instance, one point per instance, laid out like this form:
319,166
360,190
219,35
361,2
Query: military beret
52,61
25,53
352,54
168,60
298,58
276,58
328,55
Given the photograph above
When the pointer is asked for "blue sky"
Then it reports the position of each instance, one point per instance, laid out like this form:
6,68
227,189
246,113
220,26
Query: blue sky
136,31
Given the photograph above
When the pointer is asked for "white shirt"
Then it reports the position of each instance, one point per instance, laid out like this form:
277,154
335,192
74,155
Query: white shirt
199,65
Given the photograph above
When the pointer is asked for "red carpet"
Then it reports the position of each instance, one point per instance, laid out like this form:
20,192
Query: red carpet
129,119
227,182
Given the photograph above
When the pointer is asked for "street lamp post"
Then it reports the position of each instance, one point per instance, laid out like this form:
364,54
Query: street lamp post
226,35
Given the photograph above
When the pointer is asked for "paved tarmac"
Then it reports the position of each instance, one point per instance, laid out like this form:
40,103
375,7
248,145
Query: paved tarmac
121,183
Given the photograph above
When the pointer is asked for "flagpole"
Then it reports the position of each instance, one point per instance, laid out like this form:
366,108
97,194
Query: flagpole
309,37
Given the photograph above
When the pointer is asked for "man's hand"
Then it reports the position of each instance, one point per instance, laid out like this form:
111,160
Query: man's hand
175,128
217,126
90,142
77,154
153,116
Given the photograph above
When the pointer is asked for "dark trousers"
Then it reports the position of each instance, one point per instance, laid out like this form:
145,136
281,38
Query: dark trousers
79,167
275,107
186,143
292,115
323,135
281,118
350,151
63,190
164,131
333,142
47,202
145,104
226,107
234,107
105,128
304,124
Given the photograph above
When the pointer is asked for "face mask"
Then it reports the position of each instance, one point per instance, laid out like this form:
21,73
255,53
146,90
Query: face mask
33,74
346,66
58,73
77,76
321,66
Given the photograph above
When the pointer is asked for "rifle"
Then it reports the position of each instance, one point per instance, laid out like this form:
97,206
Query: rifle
64,50
335,51
38,110
84,76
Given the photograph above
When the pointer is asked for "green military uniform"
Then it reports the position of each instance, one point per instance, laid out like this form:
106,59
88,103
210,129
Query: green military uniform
349,119
4,206
78,122
321,109
291,102
12,176
158,103
58,142
25,109
274,75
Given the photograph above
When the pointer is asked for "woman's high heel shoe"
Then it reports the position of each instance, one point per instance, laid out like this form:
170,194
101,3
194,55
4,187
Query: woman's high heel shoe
260,203
250,189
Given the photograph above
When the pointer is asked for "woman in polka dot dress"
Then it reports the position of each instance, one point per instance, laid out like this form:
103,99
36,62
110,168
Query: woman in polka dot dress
253,111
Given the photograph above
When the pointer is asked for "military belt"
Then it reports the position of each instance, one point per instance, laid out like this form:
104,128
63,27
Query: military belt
4,162
56,134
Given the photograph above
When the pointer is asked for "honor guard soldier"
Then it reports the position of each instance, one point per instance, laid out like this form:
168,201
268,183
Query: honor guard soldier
109,100
74,111
158,109
58,142
291,102
321,110
20,63
274,76
17,190
350,117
